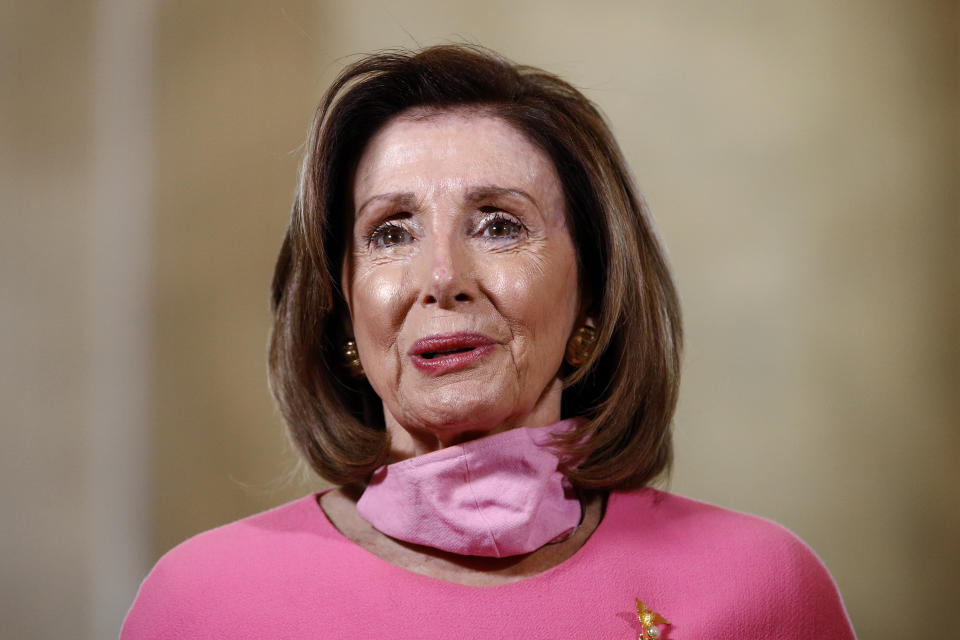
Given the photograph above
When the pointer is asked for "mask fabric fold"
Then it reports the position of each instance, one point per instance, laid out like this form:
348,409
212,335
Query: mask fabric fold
497,496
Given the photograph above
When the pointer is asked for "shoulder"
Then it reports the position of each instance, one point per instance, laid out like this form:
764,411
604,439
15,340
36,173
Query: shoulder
208,574
272,531
745,562
688,527
680,521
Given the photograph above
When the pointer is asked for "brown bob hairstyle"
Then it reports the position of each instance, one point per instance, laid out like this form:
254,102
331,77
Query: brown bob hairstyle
628,387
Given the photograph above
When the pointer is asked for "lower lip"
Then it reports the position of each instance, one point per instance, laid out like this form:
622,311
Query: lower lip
438,365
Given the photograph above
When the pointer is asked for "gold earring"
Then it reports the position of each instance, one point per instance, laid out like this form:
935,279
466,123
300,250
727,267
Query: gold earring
351,359
580,345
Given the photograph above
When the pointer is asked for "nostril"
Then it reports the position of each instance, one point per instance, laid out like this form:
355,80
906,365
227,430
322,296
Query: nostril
444,300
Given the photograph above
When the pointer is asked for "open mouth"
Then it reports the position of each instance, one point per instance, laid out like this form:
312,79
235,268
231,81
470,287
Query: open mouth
430,355
443,353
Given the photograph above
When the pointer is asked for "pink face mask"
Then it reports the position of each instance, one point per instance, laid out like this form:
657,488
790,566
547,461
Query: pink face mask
497,496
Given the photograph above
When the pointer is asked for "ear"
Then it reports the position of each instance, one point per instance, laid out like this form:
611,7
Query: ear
585,314
344,320
346,326
584,319
345,311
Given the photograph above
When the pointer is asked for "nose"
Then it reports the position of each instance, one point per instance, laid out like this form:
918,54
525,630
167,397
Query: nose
447,276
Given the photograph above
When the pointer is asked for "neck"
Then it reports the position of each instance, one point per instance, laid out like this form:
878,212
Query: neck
339,505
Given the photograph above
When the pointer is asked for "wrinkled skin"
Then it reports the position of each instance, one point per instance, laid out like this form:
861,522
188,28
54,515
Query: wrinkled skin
460,226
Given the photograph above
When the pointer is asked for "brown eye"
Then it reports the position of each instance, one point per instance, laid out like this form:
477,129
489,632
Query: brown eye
389,235
393,236
501,227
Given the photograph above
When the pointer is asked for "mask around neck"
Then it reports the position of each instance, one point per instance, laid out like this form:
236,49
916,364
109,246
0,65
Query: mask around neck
497,496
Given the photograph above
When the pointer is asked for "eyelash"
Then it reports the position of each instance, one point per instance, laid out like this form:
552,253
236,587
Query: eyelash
375,239
499,217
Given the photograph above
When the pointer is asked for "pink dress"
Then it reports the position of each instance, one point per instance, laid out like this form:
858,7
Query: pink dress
288,573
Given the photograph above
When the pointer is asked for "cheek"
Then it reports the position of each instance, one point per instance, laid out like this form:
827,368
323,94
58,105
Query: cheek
539,297
377,307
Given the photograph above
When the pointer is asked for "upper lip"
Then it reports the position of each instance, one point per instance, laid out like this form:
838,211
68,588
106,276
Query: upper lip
446,342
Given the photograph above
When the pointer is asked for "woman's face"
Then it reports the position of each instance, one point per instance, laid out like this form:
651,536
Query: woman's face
461,278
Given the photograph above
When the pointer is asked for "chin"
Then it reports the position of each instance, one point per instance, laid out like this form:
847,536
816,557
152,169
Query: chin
466,393
450,415
447,422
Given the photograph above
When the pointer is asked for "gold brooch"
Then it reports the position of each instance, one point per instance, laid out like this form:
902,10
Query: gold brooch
648,622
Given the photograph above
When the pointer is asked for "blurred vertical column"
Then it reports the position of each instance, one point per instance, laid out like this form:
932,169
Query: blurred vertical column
235,87
119,300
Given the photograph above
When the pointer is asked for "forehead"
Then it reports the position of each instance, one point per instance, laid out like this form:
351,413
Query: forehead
427,148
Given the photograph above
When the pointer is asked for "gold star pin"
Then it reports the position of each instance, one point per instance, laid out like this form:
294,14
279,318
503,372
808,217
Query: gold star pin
648,622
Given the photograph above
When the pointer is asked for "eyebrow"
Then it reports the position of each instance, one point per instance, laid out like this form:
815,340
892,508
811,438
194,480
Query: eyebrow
478,194
475,195
404,199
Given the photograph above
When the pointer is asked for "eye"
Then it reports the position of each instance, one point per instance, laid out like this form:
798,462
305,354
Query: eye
499,226
387,235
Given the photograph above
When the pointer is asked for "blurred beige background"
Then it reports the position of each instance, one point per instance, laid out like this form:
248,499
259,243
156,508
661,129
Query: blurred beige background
801,159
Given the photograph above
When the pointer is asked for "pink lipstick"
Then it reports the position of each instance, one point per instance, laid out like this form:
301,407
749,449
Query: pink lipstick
443,353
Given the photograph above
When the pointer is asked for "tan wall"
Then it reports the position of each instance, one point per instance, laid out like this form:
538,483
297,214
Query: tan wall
44,155
801,160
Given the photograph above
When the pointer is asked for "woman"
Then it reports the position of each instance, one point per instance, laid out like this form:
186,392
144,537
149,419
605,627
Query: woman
476,334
